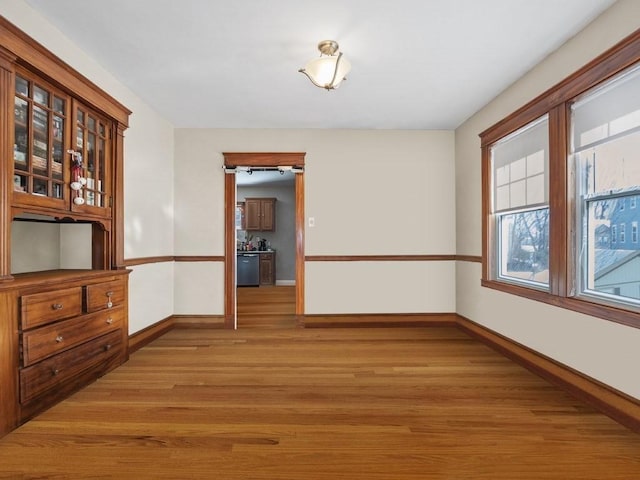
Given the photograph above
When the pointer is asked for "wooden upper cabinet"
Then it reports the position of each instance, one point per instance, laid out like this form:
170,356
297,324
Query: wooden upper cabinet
58,144
40,138
260,214
91,144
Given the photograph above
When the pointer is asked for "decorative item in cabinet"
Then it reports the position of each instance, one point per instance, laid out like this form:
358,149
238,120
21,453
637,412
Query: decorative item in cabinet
260,214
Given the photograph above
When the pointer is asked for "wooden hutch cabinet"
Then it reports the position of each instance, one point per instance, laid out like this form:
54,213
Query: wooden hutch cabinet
61,164
260,214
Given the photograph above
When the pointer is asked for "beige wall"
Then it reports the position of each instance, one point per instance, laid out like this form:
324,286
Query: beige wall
148,169
370,192
596,347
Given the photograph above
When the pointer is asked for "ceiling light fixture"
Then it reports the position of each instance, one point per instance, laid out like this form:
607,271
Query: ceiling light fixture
329,69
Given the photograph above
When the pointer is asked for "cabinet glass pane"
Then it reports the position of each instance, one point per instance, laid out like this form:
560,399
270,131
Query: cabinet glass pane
21,109
22,86
58,105
40,96
80,117
58,147
101,172
91,155
40,186
57,190
91,124
80,139
20,134
19,183
40,140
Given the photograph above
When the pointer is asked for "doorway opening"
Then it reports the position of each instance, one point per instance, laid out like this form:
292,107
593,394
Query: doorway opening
252,237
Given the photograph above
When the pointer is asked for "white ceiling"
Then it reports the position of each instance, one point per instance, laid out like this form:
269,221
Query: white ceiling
416,64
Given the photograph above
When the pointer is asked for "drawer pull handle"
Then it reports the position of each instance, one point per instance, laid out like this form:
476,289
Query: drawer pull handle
109,321
109,304
56,306
59,339
55,372
107,347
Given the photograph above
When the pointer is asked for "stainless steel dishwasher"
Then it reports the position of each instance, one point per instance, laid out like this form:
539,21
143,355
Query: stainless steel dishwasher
248,270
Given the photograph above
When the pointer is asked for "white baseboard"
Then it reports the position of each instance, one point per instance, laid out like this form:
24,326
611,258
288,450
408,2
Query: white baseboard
289,283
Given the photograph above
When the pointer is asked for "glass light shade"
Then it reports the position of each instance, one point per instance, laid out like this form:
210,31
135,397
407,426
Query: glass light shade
322,70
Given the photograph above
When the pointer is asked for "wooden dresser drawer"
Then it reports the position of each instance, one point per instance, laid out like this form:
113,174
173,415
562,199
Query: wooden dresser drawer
46,307
105,295
59,369
45,341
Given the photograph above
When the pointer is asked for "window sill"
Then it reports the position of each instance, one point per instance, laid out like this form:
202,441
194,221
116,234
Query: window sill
581,305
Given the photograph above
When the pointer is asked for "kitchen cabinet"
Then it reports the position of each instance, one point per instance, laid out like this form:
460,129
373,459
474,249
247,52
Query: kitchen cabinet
267,268
260,214
63,162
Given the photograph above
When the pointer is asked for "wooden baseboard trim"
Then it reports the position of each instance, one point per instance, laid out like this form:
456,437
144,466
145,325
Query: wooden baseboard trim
613,403
198,321
149,334
363,320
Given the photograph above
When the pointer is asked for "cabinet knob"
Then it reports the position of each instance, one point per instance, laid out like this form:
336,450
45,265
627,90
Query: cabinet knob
55,372
107,347
109,294
59,339
109,321
56,306
109,304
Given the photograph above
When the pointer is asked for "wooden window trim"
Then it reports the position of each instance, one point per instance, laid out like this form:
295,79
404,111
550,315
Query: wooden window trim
556,103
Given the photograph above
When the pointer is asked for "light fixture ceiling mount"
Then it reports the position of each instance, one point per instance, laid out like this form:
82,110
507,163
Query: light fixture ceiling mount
329,69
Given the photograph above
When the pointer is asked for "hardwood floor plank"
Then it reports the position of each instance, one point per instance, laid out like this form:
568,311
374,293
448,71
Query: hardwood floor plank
404,403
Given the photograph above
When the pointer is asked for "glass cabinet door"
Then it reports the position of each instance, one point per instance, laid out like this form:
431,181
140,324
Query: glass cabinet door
39,131
92,135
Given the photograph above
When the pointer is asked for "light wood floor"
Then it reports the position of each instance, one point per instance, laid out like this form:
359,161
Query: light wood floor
266,307
296,404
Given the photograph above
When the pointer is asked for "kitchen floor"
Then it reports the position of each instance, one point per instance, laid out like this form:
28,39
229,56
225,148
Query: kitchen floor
267,307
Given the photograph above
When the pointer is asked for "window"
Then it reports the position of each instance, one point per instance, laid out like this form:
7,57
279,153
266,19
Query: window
519,164
608,173
560,182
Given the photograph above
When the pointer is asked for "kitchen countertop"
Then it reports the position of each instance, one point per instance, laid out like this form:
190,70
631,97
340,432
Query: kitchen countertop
241,252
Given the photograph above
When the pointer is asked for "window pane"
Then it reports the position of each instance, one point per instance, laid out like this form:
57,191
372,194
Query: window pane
524,246
609,110
518,194
606,135
518,158
535,190
611,261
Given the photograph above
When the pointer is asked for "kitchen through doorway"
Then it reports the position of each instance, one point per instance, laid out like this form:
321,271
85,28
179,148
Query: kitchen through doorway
265,248
264,239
